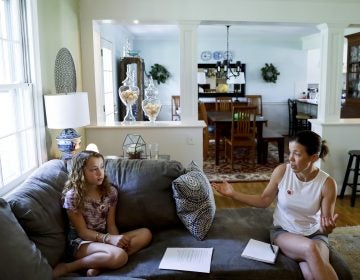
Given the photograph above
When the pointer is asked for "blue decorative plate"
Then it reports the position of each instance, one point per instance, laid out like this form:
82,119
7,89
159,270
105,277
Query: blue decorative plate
217,55
206,55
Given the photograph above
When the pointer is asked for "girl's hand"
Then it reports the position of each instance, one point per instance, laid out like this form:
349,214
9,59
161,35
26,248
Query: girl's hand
328,223
224,188
121,241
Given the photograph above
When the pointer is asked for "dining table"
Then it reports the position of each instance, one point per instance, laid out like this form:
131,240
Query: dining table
221,120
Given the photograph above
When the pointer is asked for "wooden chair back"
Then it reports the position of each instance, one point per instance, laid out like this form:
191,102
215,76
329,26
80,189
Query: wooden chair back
206,135
255,100
243,132
175,105
243,122
223,103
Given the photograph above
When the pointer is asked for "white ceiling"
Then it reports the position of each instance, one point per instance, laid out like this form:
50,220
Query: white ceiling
213,29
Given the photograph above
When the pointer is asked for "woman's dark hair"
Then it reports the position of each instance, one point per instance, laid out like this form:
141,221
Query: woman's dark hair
312,142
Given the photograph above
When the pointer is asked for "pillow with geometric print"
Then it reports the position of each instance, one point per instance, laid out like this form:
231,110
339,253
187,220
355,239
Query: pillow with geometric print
194,199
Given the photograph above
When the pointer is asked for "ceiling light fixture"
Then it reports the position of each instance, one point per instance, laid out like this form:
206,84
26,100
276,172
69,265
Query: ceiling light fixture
229,70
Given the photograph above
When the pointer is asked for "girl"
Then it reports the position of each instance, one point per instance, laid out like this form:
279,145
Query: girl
94,240
304,214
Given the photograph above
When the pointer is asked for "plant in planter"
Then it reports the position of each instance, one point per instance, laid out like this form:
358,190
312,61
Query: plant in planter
159,73
269,73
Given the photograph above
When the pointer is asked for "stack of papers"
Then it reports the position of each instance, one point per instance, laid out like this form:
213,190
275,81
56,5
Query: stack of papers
187,259
260,251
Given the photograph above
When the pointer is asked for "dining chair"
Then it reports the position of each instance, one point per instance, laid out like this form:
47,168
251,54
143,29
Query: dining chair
175,105
243,129
208,131
223,103
255,100
298,121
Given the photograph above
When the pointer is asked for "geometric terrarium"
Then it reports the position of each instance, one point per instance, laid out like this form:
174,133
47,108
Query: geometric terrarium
134,147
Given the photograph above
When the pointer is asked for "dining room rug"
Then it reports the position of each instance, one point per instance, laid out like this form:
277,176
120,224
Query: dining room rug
244,169
346,241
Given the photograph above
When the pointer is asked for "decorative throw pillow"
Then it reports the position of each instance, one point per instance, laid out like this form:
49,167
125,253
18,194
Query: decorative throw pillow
144,192
195,202
37,206
19,257
193,167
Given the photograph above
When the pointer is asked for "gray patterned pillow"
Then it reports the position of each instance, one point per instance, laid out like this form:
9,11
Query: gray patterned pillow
195,202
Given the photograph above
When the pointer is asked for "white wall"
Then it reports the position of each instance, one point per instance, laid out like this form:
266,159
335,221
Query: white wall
166,53
287,56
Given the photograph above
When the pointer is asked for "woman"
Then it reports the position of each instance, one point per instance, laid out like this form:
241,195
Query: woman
304,214
94,241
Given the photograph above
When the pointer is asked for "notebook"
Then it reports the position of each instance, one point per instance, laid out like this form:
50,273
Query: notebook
260,251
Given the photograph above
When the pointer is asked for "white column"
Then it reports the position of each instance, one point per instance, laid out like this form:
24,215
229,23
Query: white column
332,43
188,71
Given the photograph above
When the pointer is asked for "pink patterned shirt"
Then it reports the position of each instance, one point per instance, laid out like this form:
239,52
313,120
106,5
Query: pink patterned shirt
95,211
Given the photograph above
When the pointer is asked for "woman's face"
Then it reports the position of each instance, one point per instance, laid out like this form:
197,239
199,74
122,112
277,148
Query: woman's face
94,171
299,158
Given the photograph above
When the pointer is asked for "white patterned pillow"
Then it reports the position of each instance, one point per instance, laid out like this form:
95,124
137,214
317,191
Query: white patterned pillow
193,167
195,203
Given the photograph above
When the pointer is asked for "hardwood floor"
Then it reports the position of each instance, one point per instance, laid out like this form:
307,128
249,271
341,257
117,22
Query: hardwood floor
348,216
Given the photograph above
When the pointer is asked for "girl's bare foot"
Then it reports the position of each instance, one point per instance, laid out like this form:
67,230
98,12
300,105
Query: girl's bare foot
60,270
93,272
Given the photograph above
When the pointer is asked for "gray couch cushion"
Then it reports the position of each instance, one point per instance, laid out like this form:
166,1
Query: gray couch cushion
38,208
195,202
145,194
19,257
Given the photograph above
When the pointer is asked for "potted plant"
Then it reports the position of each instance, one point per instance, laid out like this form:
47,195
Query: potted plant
159,73
269,73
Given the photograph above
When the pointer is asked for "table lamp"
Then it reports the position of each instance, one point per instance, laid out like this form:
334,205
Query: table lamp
237,82
67,111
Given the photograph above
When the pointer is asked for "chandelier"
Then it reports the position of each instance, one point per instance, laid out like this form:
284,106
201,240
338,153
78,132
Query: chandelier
229,70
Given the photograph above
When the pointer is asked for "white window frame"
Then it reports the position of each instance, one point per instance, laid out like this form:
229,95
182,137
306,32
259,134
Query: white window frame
29,83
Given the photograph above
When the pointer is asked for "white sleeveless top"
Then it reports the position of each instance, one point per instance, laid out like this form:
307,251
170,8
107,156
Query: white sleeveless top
298,206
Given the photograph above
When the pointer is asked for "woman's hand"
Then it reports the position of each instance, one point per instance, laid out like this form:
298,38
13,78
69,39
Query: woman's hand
224,188
328,223
121,241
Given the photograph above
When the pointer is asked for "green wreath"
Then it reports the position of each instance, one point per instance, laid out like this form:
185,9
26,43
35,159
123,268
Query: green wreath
159,73
269,73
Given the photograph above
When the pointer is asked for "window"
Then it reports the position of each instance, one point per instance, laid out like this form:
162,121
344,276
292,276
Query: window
19,144
107,68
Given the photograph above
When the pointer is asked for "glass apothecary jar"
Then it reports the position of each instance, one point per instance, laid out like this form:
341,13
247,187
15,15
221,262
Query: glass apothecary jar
129,94
151,105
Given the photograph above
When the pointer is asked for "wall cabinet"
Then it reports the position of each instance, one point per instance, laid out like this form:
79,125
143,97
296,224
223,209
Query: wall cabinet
351,106
137,65
210,86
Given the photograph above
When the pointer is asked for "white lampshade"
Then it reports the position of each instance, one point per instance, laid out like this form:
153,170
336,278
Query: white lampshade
237,80
67,110
201,78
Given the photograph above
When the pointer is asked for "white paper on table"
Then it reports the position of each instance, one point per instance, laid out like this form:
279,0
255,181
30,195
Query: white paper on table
187,259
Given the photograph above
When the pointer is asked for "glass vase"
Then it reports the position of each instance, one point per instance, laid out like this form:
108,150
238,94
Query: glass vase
129,94
151,105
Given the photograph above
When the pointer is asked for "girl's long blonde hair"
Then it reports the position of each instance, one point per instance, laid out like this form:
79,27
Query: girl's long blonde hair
76,180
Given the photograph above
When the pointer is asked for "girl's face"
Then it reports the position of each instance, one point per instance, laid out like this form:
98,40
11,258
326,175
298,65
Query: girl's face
94,171
299,158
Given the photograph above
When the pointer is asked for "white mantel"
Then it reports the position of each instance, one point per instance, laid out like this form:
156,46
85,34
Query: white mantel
182,140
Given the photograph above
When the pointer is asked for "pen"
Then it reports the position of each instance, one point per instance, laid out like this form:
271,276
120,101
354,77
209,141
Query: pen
272,248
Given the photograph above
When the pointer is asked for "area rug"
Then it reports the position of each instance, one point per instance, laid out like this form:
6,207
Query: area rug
244,169
346,241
